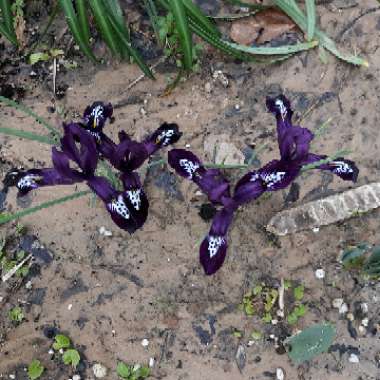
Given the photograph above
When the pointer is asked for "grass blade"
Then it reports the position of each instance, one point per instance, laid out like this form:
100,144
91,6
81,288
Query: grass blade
247,5
311,18
29,112
151,9
8,35
288,49
5,218
198,16
27,135
7,16
291,8
179,12
103,25
73,23
84,25
133,52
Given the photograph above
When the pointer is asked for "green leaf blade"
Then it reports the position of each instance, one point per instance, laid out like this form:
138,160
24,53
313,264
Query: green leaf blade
311,18
27,135
178,9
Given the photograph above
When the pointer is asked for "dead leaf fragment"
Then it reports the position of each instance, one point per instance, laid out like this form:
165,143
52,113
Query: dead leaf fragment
263,27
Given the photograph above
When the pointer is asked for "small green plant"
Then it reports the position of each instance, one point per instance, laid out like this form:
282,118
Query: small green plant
45,56
8,264
35,369
132,372
363,258
16,315
20,229
261,300
61,341
71,356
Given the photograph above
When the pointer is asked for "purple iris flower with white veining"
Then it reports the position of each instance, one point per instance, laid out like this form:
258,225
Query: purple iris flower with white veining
294,144
82,145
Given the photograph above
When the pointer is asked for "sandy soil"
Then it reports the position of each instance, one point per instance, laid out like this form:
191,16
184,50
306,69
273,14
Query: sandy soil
109,293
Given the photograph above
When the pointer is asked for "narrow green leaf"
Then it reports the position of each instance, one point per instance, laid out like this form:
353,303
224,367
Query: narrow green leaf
8,35
5,218
152,11
27,135
310,342
247,5
182,26
133,52
311,19
84,25
28,111
73,23
100,15
7,16
288,49
198,16
291,8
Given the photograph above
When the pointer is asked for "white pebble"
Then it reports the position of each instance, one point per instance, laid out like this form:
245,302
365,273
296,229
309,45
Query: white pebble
151,362
274,321
28,285
337,303
188,146
51,352
250,343
364,307
320,273
365,322
208,87
99,370
280,374
103,231
353,358
145,342
1,299
343,309
76,377
362,330
70,306
12,376
61,351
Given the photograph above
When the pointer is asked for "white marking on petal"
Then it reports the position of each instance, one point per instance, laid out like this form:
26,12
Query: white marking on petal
118,205
135,198
28,181
281,106
271,179
165,137
341,167
189,166
214,243
97,113
255,177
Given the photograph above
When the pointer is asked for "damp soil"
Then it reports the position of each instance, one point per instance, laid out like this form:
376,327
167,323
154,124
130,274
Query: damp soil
108,293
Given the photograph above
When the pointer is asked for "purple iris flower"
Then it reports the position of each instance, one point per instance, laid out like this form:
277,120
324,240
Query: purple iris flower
294,144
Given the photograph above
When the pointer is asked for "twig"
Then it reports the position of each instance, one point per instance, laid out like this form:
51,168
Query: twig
281,292
54,76
142,76
9,274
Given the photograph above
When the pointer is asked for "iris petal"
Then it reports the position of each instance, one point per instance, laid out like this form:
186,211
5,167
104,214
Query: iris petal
96,115
165,135
213,249
343,168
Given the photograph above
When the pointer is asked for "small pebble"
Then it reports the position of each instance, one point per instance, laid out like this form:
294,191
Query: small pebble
12,376
151,362
343,309
99,370
103,231
1,299
365,322
70,306
61,351
353,358
187,145
145,342
337,303
76,377
51,352
208,87
280,374
28,285
362,330
316,230
250,343
274,321
364,307
320,273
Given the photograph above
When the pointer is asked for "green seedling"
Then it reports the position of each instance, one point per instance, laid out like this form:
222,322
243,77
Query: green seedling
132,372
35,369
16,315
71,356
61,341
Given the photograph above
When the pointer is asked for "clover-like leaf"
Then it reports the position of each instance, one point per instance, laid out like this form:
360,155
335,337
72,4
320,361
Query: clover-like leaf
72,357
35,369
61,341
